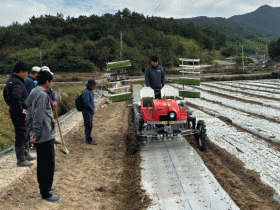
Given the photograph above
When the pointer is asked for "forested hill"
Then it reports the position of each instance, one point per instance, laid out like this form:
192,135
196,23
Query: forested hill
85,44
265,21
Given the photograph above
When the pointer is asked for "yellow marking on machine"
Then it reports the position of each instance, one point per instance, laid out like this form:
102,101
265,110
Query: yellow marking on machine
166,122
166,104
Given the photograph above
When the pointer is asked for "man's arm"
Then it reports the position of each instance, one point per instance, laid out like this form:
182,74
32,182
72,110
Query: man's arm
87,101
53,99
147,77
16,93
39,115
162,78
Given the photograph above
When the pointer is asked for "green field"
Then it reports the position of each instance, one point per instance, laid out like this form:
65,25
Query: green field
7,134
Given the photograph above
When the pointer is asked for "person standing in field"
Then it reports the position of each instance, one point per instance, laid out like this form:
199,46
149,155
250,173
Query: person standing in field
52,96
154,77
41,127
15,95
30,82
89,110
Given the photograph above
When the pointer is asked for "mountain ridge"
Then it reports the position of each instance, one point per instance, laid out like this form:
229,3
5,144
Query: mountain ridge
264,21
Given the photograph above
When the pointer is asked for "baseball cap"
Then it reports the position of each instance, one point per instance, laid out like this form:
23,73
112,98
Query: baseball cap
45,68
35,69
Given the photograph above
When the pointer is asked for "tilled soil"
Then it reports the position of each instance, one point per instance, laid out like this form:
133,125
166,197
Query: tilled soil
105,176
101,176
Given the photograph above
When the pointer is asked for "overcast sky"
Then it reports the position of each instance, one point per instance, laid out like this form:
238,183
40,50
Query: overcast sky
21,10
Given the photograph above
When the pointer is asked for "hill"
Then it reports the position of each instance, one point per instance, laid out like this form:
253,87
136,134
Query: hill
264,22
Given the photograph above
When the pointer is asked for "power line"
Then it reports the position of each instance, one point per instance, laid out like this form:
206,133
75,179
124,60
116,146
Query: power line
157,7
153,7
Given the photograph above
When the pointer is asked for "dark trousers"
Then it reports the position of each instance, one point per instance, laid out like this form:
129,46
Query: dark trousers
45,166
19,122
88,124
157,93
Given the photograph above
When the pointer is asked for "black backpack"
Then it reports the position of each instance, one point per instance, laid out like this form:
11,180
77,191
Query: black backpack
6,95
79,103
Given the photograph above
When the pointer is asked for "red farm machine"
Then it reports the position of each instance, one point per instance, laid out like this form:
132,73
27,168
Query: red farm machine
168,116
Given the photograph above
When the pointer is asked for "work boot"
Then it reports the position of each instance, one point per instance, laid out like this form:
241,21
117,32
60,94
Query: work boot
20,154
27,154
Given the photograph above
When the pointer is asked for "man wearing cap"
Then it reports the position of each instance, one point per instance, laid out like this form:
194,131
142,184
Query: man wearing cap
154,77
15,95
52,97
50,91
30,82
89,109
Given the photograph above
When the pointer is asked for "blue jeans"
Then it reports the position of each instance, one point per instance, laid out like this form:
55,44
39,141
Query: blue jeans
88,124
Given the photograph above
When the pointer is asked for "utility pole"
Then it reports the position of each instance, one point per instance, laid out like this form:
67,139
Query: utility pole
242,58
41,58
121,47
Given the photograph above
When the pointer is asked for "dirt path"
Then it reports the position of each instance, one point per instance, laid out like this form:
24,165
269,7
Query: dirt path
90,177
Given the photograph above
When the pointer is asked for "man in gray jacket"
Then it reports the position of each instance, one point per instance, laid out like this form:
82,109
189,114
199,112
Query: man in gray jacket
154,77
41,127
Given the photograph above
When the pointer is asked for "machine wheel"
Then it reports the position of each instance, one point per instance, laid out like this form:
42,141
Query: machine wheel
201,136
191,122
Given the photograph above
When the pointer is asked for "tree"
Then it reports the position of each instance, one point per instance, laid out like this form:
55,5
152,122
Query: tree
274,49
228,51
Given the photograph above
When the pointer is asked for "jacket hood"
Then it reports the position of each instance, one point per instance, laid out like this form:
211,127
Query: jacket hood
33,94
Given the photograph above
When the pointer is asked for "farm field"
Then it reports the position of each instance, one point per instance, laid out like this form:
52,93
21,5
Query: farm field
242,153
243,119
243,141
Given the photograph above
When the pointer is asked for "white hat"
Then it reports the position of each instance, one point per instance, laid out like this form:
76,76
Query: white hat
35,69
45,68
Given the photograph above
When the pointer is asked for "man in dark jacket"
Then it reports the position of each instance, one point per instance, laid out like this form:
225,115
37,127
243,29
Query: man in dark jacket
154,77
41,127
89,109
15,95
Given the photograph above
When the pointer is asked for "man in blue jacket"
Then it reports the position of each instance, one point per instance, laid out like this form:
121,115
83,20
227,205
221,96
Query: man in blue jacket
30,82
89,109
154,77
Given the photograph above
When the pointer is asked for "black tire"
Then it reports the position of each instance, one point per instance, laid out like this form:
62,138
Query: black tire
201,136
191,122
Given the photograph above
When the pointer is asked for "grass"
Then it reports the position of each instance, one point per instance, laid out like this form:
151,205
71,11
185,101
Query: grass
118,65
147,101
68,96
7,134
188,94
188,81
121,97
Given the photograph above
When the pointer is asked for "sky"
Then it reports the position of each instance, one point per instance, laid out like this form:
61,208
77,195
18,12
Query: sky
22,10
